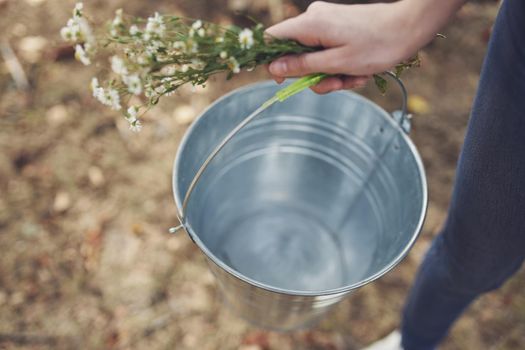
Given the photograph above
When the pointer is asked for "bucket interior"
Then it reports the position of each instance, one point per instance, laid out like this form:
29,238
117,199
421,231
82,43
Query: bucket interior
318,193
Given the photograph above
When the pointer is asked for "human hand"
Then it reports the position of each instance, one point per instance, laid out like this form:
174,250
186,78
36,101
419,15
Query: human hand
357,40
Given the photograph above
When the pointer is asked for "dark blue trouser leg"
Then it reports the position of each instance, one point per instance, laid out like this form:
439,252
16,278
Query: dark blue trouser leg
483,240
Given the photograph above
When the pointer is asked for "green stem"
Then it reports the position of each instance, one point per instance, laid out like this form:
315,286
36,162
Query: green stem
299,85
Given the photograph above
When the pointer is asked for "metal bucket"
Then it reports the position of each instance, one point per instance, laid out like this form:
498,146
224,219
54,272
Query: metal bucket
316,197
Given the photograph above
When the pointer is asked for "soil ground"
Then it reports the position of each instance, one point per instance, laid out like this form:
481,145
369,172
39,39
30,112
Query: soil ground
85,258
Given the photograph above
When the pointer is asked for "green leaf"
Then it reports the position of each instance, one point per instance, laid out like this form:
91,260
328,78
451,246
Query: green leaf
381,83
398,70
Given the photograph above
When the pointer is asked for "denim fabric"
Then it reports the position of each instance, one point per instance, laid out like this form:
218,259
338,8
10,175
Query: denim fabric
483,241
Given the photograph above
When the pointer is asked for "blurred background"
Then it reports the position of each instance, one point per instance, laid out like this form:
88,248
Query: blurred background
85,258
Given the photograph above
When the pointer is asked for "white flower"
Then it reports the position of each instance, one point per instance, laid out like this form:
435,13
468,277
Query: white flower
223,55
197,24
167,79
131,116
118,66
118,18
109,97
246,38
134,30
149,91
81,55
97,90
77,30
152,47
66,34
100,94
201,32
117,22
219,39
132,113
169,70
77,11
179,45
74,25
184,68
191,33
113,99
233,64
86,31
135,126
156,25
71,32
161,89
94,85
133,83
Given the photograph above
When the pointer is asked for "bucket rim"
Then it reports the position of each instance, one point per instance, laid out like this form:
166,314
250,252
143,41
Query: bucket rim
289,292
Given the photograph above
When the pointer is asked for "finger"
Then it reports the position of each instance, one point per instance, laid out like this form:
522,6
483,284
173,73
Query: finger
329,61
296,28
327,85
278,80
352,82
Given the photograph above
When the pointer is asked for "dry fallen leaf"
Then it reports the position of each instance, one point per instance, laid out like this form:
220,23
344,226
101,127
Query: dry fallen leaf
138,229
418,104
259,339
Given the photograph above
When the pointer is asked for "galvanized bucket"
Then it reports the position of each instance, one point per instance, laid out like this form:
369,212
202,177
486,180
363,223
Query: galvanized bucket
316,197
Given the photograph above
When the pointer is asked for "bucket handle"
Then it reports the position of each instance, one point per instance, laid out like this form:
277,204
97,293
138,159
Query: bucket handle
402,117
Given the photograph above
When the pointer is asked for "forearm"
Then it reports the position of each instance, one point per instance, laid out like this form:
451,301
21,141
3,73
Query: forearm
423,19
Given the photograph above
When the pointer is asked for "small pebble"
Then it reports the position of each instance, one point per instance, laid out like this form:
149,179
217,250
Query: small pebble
96,177
62,202
57,115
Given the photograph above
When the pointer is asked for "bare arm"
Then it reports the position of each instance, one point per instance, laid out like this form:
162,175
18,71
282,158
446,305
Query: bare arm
359,40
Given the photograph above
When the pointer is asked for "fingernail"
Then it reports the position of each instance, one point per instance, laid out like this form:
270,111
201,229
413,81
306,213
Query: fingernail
278,68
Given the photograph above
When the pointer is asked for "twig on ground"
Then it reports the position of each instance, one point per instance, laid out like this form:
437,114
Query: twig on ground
13,65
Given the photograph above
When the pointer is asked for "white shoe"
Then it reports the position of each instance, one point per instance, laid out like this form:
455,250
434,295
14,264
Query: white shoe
390,342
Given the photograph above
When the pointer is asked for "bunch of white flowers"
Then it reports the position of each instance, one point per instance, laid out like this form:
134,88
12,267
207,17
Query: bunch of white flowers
78,31
151,58
109,97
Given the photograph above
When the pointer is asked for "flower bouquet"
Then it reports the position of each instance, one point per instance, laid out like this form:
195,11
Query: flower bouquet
153,57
